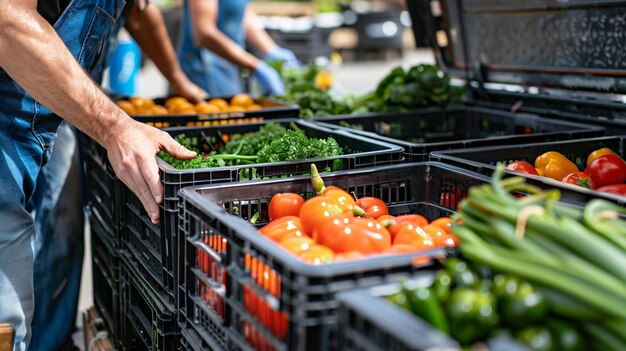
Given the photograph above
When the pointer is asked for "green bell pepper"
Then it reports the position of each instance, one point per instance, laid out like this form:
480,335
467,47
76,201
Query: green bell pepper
471,314
519,304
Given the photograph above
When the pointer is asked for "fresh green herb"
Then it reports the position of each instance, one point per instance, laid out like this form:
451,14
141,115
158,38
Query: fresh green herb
294,145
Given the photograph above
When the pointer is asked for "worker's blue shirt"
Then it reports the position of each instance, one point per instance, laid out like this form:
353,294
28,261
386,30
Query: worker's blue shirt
208,70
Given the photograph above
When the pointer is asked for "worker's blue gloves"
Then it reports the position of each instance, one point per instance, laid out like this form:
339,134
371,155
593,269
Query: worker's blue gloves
282,54
269,80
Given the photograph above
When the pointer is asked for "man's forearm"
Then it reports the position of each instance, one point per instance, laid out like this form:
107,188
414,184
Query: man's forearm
255,33
203,15
148,29
36,58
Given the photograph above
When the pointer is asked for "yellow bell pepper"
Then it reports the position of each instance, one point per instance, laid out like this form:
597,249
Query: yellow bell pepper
599,153
554,165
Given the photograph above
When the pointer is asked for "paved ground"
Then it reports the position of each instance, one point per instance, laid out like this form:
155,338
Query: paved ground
353,77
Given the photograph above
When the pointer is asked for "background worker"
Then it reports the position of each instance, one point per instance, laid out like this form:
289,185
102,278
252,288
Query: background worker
45,64
211,48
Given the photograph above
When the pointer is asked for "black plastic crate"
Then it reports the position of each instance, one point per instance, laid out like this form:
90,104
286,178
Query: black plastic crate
458,127
106,266
262,297
191,341
156,245
137,268
103,191
483,160
368,322
149,324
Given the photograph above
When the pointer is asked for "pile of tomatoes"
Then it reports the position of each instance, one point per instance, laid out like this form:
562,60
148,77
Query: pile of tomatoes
334,226
605,170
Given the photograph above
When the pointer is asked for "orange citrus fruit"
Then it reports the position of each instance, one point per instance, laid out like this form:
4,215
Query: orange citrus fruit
220,103
242,100
126,107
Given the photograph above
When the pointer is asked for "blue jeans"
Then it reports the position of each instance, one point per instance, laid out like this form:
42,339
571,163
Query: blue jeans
59,224
27,134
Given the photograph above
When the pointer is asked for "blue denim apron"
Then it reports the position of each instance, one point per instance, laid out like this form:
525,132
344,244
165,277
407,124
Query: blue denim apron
208,70
27,133
59,224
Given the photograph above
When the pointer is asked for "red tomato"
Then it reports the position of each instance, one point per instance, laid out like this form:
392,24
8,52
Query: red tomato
317,210
580,179
280,228
344,233
443,222
522,167
607,170
374,207
317,254
617,189
285,204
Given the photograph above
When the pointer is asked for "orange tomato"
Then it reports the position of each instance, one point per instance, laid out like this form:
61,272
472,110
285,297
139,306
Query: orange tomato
317,210
285,204
434,231
297,244
414,220
443,222
344,233
283,227
416,237
386,220
344,200
374,207
447,240
329,188
317,254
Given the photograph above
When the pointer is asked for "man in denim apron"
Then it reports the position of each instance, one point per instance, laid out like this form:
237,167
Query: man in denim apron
59,221
43,65
223,27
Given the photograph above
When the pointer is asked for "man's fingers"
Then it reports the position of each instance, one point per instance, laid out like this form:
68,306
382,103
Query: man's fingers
150,172
135,181
173,148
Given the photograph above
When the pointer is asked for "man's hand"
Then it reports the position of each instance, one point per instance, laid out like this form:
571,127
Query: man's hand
131,147
187,89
